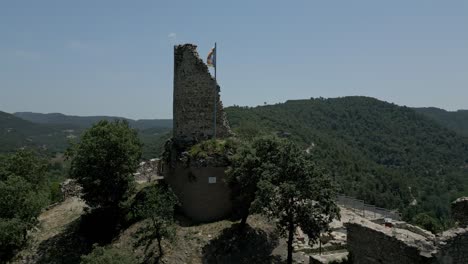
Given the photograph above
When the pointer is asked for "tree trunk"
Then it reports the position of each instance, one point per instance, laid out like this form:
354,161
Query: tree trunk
243,222
290,241
161,253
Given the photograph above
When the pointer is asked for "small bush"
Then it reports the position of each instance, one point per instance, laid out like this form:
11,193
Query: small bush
56,195
427,222
212,147
109,255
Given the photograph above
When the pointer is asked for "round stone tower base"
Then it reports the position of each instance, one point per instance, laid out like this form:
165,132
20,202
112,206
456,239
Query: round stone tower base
202,192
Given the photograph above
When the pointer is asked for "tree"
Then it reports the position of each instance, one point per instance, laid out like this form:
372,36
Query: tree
26,164
23,194
427,222
294,193
246,169
156,203
104,161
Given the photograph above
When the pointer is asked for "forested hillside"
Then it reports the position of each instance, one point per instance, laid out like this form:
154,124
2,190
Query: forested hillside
53,132
456,120
87,121
16,133
387,155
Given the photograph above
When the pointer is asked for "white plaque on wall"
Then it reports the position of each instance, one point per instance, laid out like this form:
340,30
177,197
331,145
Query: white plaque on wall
212,180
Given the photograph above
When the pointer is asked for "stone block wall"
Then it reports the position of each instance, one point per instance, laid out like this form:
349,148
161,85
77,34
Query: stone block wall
453,247
202,191
460,211
369,243
195,93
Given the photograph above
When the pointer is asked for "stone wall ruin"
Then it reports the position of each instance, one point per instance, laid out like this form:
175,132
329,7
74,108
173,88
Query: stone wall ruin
195,91
200,186
370,243
460,211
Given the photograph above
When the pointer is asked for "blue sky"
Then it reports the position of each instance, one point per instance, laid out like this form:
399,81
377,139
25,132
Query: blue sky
115,57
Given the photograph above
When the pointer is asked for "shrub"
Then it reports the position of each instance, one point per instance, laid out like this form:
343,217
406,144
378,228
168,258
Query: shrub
109,255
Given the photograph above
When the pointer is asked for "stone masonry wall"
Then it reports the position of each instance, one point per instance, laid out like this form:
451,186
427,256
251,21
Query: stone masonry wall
195,91
201,200
453,247
369,244
460,211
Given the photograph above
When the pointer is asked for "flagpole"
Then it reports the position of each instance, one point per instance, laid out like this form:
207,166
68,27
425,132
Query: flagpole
215,64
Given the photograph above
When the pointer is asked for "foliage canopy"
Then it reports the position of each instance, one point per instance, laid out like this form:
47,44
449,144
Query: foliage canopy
104,161
23,194
157,204
382,153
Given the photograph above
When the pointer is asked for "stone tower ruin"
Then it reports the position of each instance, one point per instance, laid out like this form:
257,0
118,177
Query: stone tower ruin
199,184
195,91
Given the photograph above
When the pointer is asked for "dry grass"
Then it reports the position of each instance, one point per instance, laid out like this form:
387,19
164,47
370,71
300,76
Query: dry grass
56,240
218,242
52,223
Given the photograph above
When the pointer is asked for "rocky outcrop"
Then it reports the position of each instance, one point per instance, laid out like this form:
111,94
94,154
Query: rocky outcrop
70,188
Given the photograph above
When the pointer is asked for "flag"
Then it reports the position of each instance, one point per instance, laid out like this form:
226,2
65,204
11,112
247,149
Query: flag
211,59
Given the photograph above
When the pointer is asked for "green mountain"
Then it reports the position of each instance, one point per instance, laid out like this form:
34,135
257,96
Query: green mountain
52,132
87,121
456,120
387,155
153,132
17,133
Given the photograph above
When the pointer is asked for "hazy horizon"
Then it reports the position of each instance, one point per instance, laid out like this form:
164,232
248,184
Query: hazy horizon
98,114
116,58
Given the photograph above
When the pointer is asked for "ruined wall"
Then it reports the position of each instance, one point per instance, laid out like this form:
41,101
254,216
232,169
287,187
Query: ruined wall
453,247
195,94
370,243
460,211
195,91
201,199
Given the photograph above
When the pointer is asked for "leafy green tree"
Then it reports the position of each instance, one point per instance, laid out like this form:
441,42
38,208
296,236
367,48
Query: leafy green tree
26,164
109,255
246,170
103,163
427,222
23,194
156,203
294,193
249,131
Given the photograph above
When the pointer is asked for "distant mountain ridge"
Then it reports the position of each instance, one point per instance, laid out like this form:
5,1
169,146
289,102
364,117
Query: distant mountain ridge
454,120
52,132
16,133
87,121
374,149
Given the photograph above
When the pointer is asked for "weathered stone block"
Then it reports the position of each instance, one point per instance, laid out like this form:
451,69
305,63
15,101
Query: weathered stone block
460,211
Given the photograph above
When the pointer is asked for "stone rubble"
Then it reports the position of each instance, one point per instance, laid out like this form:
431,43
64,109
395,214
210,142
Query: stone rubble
70,188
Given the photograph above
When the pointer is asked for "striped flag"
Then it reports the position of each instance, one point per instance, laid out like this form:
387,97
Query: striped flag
211,59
